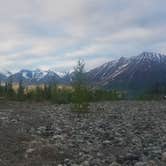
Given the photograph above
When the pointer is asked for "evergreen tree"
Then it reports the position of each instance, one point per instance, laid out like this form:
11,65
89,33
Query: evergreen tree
39,94
80,91
54,93
47,92
6,88
10,93
20,91
2,90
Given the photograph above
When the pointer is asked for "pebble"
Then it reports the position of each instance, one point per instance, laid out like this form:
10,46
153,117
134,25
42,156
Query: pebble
91,140
163,158
114,164
141,164
85,163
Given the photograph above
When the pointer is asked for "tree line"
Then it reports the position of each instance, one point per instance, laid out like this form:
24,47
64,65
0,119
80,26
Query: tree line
156,92
79,92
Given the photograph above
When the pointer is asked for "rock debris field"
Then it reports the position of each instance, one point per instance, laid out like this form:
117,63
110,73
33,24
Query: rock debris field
121,133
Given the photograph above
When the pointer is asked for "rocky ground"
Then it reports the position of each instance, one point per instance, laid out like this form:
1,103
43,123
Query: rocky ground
124,133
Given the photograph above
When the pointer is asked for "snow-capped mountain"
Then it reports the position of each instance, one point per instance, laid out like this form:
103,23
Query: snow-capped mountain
50,77
2,77
108,69
139,72
35,77
4,74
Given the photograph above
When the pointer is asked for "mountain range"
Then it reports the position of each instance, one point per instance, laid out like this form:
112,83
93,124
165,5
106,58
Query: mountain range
140,72
134,73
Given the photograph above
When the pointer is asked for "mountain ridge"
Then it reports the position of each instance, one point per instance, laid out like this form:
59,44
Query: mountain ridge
139,72
136,72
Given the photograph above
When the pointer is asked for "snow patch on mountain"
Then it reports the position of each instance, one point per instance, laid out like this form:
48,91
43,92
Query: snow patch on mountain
5,72
24,74
38,74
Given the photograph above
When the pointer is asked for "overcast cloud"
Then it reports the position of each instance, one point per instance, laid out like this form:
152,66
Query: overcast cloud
56,33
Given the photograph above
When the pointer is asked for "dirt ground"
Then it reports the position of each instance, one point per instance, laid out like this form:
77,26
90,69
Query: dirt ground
122,133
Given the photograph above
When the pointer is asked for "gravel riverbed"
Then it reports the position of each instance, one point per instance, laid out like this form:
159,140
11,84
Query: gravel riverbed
121,133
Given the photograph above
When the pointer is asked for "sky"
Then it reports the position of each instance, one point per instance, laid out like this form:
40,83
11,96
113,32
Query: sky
54,34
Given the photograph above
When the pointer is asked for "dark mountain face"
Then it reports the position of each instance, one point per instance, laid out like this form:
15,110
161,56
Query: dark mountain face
107,70
24,76
50,77
3,77
137,73
67,78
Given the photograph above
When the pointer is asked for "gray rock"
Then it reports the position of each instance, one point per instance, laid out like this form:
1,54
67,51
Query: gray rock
141,164
114,164
85,163
163,157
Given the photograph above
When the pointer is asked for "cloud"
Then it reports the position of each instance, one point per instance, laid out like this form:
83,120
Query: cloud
55,34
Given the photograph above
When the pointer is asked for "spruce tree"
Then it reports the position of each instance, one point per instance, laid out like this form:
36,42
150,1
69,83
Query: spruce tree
1,90
80,91
20,91
10,93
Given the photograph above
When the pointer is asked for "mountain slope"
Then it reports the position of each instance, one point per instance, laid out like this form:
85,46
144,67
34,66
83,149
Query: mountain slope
136,73
4,74
35,77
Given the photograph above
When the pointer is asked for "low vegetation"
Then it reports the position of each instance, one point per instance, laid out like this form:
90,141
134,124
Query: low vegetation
79,94
157,92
